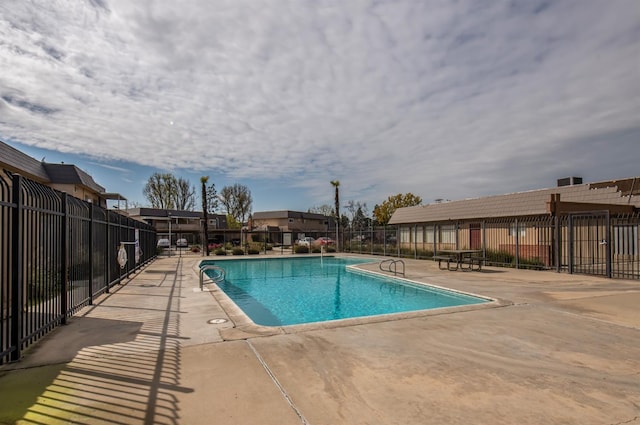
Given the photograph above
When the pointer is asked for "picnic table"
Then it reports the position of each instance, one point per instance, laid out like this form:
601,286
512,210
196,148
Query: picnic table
460,259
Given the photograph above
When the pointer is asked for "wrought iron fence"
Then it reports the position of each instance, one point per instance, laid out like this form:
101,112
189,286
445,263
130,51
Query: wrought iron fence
57,254
586,243
591,243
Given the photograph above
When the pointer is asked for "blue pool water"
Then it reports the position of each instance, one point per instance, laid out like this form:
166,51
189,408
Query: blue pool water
289,291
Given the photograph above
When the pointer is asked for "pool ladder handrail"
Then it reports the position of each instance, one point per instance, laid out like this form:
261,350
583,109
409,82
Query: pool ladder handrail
219,277
392,264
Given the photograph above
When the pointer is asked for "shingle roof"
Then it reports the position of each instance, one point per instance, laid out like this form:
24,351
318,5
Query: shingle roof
70,174
30,167
263,215
45,172
522,203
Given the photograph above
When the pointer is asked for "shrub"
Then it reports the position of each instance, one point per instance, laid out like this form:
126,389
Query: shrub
253,251
330,249
299,249
220,251
237,251
315,250
195,248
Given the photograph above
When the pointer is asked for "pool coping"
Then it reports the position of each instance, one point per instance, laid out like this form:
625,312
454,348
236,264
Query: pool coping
244,328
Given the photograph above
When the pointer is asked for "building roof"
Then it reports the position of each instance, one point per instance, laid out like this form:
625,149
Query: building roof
520,204
163,213
17,160
264,215
70,174
44,172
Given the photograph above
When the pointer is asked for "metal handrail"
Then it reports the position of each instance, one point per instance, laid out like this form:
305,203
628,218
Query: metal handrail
219,277
392,263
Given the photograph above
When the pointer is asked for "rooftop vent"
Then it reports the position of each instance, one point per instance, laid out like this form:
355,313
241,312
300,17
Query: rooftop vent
569,181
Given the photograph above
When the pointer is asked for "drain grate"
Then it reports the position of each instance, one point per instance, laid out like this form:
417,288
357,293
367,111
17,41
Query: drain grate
217,321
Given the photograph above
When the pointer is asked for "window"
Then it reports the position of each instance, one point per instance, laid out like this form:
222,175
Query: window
448,233
428,234
405,234
514,229
291,220
419,234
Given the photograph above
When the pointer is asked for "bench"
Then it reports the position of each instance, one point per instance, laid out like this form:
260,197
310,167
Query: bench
474,260
448,259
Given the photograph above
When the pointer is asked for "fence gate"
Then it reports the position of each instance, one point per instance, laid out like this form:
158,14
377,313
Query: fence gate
589,243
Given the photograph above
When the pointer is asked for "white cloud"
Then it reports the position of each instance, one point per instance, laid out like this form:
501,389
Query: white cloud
461,99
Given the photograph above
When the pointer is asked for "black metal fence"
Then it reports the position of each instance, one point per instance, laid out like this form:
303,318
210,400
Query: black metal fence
57,254
593,243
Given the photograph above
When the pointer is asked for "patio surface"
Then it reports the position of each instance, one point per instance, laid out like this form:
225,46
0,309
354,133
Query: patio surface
558,348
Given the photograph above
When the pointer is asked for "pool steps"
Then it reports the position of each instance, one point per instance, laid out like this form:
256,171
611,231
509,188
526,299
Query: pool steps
217,277
390,266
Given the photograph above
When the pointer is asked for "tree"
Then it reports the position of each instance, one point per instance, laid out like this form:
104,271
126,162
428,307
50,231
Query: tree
205,208
165,191
160,191
384,211
360,219
232,223
336,184
325,209
237,201
185,195
358,212
212,199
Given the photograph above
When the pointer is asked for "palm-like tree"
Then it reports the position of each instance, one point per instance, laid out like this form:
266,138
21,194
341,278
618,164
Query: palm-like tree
205,216
336,184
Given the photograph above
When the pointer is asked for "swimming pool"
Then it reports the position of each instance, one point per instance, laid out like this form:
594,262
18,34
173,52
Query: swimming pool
290,291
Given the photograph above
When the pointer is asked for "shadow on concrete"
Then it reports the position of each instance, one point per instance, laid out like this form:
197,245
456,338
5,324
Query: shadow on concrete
122,371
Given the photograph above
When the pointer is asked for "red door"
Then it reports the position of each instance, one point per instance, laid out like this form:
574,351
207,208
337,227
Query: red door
475,237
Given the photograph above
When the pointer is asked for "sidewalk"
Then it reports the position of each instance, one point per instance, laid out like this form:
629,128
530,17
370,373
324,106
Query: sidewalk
567,350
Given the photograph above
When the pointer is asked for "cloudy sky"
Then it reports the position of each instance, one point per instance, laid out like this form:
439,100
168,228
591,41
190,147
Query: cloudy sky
444,99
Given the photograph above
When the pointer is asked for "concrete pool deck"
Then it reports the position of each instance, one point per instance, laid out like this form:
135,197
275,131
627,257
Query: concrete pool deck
559,348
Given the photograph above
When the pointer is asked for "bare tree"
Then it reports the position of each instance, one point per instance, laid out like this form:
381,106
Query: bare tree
358,212
185,195
160,191
237,201
325,209
165,191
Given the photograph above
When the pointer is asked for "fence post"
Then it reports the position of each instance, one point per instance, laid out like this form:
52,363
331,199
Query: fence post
91,229
570,243
517,229
64,260
557,244
607,247
435,239
484,238
16,270
107,266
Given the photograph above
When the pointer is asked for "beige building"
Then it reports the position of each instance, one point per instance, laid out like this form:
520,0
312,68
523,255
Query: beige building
291,221
63,177
590,227
177,224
